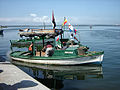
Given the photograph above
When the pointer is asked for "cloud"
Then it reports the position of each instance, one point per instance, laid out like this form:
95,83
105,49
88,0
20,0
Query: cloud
36,19
33,15
42,19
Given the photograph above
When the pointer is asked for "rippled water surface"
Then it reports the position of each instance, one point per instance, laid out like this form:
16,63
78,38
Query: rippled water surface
84,77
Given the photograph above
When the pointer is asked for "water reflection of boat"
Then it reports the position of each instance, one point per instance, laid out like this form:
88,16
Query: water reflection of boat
50,75
88,67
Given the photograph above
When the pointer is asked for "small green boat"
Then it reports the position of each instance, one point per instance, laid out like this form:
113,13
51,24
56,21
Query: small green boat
72,55
45,47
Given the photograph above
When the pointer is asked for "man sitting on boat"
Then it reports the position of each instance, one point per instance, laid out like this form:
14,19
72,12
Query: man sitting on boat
48,49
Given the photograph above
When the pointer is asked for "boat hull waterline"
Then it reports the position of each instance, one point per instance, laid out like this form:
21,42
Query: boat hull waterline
74,61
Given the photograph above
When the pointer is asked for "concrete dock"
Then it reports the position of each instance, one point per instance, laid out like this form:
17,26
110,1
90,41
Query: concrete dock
12,78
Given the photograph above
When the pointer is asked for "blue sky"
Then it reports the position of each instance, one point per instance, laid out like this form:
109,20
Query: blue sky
76,11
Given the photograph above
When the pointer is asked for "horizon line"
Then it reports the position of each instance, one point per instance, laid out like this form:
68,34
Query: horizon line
2,26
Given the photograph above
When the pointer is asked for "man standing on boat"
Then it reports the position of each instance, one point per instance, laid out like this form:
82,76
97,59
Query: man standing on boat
72,39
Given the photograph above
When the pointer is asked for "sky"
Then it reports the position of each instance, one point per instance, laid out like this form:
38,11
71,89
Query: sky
35,12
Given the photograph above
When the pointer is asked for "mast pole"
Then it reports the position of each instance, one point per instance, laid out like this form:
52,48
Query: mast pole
54,39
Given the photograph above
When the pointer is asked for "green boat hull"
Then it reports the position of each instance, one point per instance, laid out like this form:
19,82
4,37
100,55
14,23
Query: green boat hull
90,57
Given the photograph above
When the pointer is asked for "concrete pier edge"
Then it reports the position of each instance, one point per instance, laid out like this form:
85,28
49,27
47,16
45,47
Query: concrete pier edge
12,78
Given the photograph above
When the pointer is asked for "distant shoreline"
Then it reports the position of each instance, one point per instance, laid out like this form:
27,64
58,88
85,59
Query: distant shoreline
6,26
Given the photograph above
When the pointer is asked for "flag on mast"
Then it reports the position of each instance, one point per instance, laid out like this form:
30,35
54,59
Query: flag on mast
75,31
53,20
70,27
65,21
57,38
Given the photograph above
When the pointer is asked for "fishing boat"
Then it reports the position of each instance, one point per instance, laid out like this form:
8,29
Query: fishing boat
1,31
48,46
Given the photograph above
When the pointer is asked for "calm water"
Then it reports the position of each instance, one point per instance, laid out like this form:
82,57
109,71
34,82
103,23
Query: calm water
87,77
